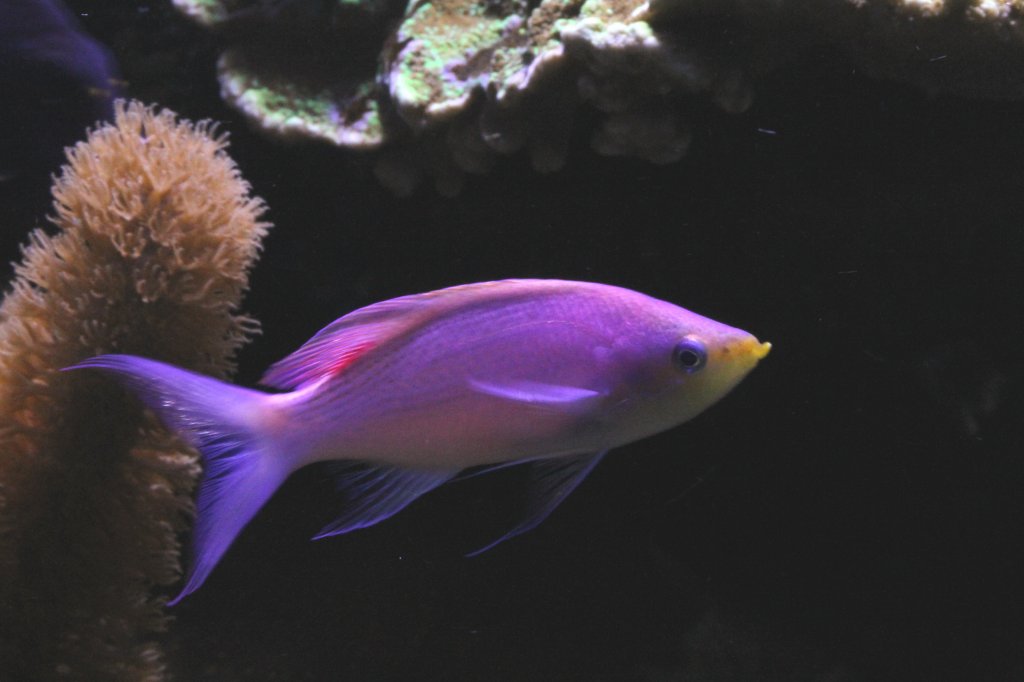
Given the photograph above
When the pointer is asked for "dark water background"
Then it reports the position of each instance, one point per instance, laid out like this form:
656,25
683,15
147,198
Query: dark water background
852,512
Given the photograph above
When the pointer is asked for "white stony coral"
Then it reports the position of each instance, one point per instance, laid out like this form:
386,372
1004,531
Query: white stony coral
460,81
1002,10
925,7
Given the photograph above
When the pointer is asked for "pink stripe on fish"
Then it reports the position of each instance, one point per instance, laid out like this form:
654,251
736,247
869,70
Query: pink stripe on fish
348,356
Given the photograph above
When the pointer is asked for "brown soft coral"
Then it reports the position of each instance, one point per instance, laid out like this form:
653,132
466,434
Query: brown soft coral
157,233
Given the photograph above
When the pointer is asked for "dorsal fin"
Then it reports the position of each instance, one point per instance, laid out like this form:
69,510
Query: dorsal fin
330,351
341,343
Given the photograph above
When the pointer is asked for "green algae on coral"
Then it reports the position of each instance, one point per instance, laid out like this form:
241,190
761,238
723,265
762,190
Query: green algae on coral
211,13
206,12
347,115
446,55
451,83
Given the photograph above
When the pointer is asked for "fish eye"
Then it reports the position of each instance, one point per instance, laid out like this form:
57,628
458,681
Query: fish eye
690,355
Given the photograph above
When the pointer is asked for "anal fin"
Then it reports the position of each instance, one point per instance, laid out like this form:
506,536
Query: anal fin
376,493
551,481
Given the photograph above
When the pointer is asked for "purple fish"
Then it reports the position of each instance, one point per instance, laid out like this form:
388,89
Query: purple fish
402,395
55,80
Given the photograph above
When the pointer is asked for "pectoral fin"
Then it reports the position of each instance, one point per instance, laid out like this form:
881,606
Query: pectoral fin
551,482
377,493
537,393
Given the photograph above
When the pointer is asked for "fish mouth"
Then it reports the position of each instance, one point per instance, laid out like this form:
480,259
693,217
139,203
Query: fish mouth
758,350
746,348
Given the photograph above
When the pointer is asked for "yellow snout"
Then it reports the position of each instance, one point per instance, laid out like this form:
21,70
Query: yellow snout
746,348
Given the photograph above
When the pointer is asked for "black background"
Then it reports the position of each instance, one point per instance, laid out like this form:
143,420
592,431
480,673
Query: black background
851,512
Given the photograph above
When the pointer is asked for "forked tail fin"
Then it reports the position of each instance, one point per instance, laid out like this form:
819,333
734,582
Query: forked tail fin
223,422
